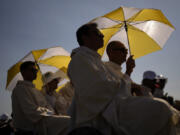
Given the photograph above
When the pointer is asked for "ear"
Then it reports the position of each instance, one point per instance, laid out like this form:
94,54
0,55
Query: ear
23,73
109,53
85,40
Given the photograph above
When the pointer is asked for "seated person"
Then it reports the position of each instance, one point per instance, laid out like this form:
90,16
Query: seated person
57,102
160,84
103,100
147,86
149,80
30,110
117,54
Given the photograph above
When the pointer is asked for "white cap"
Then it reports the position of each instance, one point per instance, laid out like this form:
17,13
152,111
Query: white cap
149,75
49,76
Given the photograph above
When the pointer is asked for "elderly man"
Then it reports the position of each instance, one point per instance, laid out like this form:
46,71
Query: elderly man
31,112
117,54
98,101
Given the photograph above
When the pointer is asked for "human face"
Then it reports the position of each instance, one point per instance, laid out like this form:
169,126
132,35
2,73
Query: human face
95,38
149,83
53,85
31,72
161,83
118,53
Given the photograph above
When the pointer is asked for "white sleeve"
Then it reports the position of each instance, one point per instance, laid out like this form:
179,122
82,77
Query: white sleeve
27,104
94,85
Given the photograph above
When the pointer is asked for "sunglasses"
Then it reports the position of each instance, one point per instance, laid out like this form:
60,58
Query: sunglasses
33,70
124,50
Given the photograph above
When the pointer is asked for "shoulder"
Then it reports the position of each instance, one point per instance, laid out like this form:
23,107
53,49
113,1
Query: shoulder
22,88
19,87
84,53
19,91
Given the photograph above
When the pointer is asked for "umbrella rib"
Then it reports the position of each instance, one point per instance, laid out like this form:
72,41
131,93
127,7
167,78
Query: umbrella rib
134,23
109,28
135,28
140,31
116,21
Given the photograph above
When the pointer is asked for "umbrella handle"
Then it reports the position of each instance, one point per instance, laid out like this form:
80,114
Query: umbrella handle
39,69
126,29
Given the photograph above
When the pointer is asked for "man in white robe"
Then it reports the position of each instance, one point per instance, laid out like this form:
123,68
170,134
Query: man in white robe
31,112
136,105
97,101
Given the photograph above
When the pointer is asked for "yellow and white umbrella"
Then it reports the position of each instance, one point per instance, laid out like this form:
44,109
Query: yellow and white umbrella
143,31
50,59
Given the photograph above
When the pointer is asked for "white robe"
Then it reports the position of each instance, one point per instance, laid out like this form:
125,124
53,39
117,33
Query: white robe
67,92
57,102
152,114
101,93
32,113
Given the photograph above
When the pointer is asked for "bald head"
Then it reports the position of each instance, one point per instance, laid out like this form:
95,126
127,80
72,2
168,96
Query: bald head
116,52
113,45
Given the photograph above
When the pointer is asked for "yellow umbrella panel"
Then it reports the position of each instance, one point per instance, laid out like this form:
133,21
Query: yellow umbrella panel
50,59
142,31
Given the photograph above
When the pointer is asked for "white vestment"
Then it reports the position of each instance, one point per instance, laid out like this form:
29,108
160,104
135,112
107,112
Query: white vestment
32,113
67,92
101,92
57,102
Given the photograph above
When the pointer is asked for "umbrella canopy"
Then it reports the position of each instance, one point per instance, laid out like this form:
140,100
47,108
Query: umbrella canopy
50,59
143,31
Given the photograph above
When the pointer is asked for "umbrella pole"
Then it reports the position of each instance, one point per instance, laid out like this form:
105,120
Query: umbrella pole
39,69
125,25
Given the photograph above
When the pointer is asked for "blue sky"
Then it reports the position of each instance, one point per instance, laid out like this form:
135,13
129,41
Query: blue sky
26,25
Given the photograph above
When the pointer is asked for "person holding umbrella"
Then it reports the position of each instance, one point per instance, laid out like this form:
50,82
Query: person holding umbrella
98,102
117,53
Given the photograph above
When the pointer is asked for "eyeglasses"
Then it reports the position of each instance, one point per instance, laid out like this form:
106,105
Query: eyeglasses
96,32
33,69
124,50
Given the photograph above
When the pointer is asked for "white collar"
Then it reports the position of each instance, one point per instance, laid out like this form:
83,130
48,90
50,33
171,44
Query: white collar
114,65
24,82
85,50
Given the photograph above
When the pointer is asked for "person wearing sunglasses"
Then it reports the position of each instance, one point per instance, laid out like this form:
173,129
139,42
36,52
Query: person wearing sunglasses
98,100
117,53
32,114
136,114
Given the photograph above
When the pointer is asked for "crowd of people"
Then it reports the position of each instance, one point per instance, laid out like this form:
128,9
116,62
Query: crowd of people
99,99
